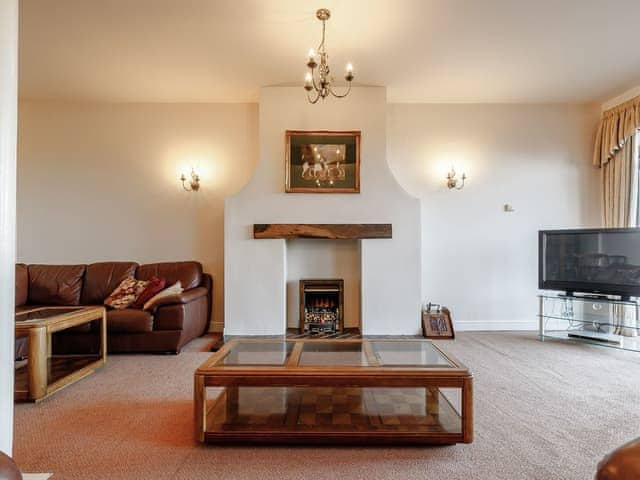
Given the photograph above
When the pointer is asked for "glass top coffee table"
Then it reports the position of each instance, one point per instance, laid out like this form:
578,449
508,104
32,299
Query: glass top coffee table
45,373
333,391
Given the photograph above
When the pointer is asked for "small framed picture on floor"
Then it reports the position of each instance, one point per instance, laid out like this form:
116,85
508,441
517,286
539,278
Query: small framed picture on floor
437,325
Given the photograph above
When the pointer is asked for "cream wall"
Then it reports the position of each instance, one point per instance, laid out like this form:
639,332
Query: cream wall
478,259
100,181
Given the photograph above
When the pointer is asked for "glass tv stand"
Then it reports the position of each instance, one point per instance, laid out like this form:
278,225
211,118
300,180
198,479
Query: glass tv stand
590,319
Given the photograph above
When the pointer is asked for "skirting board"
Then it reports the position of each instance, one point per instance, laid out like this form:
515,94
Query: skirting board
249,333
216,327
460,326
495,326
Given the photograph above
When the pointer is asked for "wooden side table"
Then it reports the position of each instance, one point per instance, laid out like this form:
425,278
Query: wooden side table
45,373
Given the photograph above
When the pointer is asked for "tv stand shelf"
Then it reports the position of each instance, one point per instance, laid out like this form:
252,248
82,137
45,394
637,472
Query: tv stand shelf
590,319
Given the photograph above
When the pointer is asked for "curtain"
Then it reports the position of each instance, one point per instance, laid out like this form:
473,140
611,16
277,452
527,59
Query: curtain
617,127
619,188
616,153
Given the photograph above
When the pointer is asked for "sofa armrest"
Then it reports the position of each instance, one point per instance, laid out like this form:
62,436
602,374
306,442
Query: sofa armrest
207,282
181,298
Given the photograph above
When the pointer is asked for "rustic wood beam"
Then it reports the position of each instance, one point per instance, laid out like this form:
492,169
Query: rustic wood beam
341,231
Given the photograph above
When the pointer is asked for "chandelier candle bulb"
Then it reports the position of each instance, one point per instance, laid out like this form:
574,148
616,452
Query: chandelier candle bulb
311,61
349,74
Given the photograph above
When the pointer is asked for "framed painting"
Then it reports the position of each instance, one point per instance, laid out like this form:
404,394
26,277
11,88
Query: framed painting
437,324
322,162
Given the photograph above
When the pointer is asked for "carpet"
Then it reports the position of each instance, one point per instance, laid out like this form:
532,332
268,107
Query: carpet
543,411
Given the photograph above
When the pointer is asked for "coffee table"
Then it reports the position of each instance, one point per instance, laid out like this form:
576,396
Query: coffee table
45,373
333,391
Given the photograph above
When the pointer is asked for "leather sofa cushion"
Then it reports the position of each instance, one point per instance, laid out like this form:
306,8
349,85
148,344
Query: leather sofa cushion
129,320
22,284
102,278
55,284
189,273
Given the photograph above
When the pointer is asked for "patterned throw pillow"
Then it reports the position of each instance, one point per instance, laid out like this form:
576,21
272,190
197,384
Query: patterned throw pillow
155,285
126,293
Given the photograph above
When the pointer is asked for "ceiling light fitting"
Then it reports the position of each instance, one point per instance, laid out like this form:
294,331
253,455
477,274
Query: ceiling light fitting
322,86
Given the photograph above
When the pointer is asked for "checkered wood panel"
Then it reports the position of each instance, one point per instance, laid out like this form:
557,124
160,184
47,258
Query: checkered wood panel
331,408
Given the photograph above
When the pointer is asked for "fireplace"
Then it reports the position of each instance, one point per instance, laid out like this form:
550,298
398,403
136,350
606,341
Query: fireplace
321,305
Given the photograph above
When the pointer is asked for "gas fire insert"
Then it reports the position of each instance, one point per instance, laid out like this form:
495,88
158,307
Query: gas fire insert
321,305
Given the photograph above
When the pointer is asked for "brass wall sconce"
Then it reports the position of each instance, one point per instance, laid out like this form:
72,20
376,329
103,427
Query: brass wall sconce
194,183
453,182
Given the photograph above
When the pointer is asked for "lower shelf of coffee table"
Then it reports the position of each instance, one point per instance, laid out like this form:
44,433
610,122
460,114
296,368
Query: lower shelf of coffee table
334,415
59,368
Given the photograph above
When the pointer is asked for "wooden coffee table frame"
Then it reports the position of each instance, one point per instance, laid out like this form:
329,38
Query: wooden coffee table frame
39,334
214,374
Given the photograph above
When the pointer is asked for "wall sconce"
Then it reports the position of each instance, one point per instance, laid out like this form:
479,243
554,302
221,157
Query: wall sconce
194,183
453,182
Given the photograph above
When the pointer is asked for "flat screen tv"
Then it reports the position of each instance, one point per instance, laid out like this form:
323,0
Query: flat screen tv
598,261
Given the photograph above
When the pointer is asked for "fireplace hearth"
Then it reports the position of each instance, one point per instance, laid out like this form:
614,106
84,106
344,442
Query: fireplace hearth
321,305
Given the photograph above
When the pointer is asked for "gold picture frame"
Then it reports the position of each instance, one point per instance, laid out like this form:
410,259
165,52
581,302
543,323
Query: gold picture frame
322,161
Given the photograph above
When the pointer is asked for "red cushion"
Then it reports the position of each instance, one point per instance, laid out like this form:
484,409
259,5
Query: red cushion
155,285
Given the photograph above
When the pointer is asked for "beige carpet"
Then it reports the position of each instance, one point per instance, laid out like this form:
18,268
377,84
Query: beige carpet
543,411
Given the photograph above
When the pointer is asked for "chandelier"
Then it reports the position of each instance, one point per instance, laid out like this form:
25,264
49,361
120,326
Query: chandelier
322,86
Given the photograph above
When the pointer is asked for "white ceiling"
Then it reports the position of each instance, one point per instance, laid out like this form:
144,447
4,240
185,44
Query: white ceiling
421,50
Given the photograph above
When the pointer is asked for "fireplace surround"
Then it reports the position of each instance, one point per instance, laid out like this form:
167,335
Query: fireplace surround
256,267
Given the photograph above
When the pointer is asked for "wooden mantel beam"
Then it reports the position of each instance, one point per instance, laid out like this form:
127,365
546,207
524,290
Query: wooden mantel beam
340,231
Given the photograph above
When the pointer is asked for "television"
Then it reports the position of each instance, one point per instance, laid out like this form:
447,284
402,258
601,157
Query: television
603,261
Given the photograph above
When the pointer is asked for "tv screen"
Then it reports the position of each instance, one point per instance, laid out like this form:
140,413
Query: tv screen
605,261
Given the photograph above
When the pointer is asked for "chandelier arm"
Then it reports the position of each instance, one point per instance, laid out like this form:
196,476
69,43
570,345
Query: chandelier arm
341,95
313,81
314,101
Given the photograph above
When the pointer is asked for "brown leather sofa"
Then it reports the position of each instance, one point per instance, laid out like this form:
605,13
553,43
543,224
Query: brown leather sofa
8,468
621,464
166,328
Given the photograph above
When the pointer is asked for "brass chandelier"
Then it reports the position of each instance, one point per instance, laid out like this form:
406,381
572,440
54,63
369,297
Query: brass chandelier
323,85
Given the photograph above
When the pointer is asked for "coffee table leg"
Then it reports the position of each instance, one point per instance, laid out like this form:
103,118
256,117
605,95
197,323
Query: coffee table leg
199,406
37,365
467,410
103,336
433,400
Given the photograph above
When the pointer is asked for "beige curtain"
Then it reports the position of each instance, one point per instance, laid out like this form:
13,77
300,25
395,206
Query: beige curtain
616,153
619,188
617,126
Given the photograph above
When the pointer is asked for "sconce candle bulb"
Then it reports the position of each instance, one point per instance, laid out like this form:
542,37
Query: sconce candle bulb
194,183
